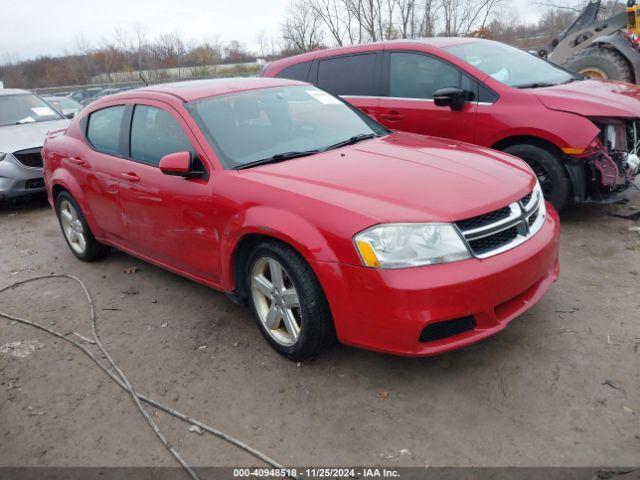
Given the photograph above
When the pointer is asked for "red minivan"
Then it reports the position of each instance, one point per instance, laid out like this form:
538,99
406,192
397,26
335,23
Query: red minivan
580,136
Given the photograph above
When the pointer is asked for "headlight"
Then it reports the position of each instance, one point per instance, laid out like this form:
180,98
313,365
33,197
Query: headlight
399,245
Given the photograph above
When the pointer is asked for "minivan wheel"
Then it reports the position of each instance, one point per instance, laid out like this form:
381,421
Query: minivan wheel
76,231
288,301
548,167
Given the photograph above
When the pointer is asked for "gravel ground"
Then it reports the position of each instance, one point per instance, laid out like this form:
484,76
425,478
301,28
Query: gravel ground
559,387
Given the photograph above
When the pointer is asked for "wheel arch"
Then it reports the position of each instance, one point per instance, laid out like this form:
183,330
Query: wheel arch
265,223
63,182
529,140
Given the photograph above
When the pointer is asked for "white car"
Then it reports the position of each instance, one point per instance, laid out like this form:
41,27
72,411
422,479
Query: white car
25,119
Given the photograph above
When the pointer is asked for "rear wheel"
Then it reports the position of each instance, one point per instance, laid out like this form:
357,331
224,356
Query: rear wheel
601,63
76,231
288,301
548,167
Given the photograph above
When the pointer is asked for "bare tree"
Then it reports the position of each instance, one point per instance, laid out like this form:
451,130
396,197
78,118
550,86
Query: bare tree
302,28
336,18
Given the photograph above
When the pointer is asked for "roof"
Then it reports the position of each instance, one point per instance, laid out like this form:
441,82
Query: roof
195,89
438,42
12,91
433,42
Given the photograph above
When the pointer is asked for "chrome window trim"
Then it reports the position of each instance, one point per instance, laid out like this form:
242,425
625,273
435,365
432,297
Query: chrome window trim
428,100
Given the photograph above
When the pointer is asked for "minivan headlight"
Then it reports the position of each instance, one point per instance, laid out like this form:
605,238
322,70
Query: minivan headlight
400,245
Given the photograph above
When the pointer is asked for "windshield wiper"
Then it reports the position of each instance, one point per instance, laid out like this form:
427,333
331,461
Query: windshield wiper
536,85
278,157
355,139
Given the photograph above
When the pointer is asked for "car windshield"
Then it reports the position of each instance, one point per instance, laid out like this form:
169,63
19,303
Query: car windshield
510,65
278,123
25,108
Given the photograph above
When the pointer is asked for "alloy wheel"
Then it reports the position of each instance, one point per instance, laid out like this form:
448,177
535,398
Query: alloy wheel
72,227
276,301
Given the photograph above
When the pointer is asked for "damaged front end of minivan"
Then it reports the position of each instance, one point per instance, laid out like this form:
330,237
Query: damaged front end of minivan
609,165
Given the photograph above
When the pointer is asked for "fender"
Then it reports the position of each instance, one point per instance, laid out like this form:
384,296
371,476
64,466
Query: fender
64,179
620,44
578,137
277,223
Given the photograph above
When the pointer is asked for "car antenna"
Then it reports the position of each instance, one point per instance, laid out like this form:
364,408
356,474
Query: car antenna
144,80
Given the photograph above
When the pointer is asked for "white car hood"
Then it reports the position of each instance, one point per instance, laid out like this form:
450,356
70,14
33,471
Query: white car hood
14,138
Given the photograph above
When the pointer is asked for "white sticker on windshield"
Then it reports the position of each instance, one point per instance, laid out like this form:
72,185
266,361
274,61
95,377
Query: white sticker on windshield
42,111
323,97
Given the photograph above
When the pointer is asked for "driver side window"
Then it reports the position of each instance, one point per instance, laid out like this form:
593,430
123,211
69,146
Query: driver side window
154,134
413,75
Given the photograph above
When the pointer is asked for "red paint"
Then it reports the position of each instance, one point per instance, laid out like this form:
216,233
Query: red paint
192,226
555,114
175,163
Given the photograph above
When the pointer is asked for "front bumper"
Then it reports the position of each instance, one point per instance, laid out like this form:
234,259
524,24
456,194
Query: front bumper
16,180
387,310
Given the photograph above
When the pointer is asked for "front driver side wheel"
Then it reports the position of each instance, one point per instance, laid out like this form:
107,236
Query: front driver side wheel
76,231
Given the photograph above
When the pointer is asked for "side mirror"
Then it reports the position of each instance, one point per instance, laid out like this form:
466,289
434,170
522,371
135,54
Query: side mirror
178,163
69,115
452,97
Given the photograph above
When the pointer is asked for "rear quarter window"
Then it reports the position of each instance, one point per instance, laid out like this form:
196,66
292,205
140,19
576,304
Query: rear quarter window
104,128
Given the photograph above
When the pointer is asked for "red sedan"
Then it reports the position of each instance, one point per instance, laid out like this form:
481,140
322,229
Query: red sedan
298,204
580,136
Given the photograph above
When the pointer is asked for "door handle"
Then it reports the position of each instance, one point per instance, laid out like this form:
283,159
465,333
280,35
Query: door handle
392,116
132,177
78,161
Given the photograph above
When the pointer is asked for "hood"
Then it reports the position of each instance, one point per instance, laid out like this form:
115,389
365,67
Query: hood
405,178
592,98
27,135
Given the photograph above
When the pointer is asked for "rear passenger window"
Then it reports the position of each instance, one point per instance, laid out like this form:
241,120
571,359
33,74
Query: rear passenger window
154,134
103,130
412,75
296,72
351,75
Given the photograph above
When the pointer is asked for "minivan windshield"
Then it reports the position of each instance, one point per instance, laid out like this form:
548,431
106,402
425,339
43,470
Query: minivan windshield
510,65
279,123
25,108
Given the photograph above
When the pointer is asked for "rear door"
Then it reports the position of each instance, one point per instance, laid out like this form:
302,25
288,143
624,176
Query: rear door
410,80
356,77
100,164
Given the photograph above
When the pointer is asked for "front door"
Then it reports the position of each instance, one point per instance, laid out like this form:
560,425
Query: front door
412,79
168,218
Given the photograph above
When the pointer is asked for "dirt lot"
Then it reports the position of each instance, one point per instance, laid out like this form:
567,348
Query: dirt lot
560,386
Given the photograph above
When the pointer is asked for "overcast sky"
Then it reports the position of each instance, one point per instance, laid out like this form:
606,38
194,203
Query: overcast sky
42,27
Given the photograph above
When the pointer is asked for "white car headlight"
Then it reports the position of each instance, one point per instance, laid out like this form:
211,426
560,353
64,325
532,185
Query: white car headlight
400,245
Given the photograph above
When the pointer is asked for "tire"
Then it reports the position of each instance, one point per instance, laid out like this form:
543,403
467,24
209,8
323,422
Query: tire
313,316
550,171
93,249
601,63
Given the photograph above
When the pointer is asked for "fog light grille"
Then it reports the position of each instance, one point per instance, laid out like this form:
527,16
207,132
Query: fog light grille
447,328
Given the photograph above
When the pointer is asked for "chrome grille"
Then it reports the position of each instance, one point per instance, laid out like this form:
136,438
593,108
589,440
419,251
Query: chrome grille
495,232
